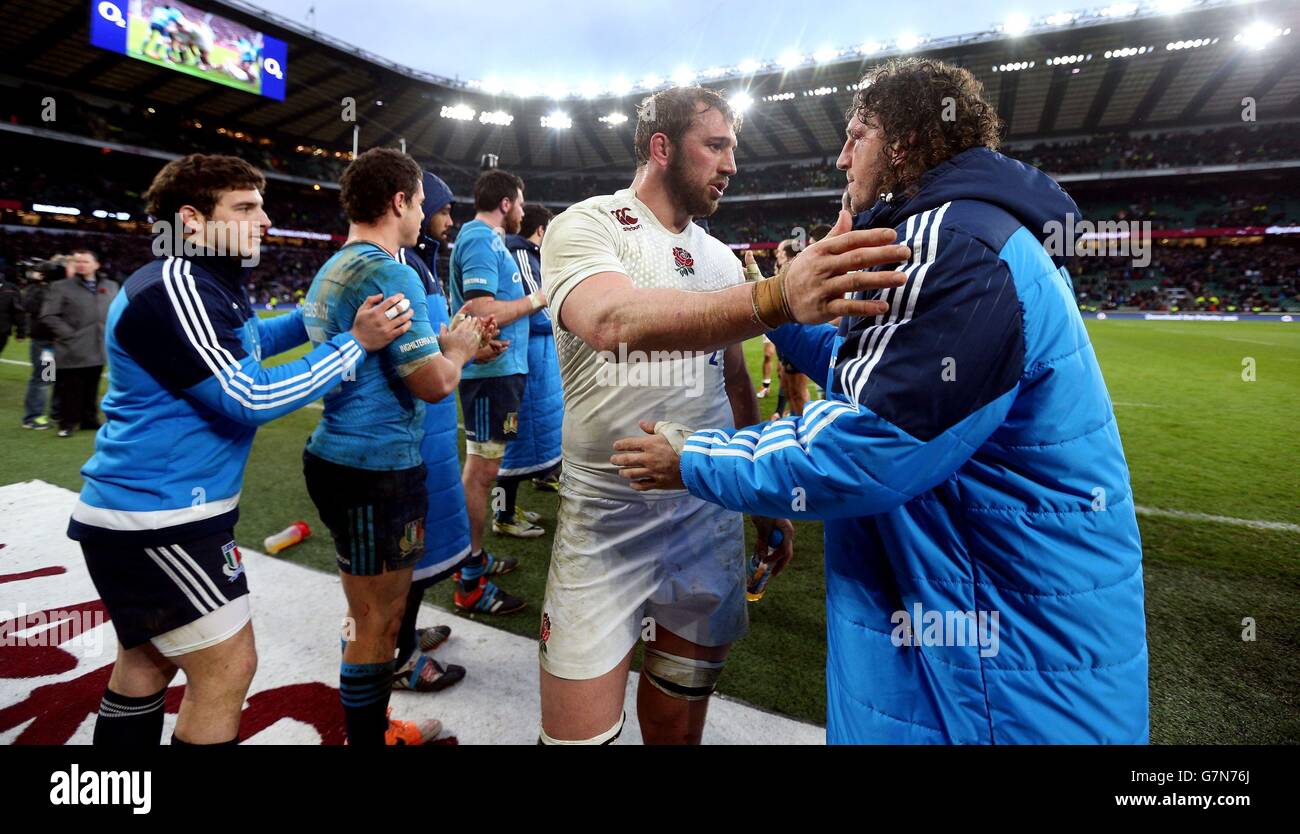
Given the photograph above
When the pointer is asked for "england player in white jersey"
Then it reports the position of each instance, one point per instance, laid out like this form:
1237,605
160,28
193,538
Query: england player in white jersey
650,312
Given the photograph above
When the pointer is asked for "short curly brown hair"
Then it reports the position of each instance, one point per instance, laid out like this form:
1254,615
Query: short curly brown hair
673,111
929,111
370,181
199,180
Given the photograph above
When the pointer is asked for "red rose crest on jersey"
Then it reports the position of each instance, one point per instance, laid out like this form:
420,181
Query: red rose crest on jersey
683,261
626,220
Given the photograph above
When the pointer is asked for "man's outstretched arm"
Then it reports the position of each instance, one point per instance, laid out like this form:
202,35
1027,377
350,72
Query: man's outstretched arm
605,310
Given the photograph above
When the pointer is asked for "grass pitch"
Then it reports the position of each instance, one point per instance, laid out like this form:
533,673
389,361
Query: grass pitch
1207,414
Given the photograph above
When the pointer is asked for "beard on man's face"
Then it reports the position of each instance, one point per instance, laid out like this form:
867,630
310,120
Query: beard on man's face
511,224
692,197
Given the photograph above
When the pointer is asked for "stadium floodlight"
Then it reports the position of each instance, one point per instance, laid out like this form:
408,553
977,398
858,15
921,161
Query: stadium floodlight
556,90
1119,10
789,59
713,72
907,42
493,86
740,101
497,117
459,112
683,76
558,120
1259,35
524,87
650,82
100,213
1060,19
749,66
1017,24
47,209
589,89
620,86
614,119
121,215
826,54
870,47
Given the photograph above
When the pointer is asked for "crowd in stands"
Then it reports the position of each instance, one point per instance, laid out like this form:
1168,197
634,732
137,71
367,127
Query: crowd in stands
91,178
1214,278
1127,152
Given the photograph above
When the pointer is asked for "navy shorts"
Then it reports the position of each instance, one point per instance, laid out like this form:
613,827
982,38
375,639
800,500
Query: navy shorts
491,407
375,516
150,591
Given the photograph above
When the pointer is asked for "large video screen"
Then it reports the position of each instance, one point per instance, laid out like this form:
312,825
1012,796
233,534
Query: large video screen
190,40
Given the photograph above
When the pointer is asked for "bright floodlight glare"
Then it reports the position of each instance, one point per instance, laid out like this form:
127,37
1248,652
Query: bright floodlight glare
683,76
1119,10
459,112
1017,24
825,54
620,86
499,117
556,90
1258,35
650,82
615,118
789,59
908,42
558,120
740,101
589,89
493,86
869,47
748,66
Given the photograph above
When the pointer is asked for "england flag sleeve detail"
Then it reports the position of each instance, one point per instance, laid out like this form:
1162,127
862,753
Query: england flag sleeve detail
914,393
188,337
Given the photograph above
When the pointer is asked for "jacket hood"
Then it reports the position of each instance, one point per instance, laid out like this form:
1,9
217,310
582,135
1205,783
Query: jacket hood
514,242
436,194
1024,192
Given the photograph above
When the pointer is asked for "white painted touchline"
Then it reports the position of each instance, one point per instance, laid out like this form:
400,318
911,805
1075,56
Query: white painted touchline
1254,524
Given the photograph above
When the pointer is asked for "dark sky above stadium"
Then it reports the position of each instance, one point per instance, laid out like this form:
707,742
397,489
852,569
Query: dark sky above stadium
571,41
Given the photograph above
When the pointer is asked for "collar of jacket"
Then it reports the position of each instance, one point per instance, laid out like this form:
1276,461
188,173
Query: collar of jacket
230,271
429,248
521,242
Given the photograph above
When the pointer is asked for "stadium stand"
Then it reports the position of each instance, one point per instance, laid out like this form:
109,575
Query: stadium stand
1154,137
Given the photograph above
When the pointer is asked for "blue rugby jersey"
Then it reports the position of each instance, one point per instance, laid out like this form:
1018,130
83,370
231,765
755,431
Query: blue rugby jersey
374,421
480,262
186,392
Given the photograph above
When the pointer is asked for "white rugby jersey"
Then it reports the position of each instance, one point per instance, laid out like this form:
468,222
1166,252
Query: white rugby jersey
605,395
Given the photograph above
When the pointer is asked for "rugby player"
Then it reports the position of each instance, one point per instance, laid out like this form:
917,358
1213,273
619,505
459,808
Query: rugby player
629,272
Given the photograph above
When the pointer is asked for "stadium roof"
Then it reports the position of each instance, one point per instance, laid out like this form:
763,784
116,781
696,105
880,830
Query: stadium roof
1080,76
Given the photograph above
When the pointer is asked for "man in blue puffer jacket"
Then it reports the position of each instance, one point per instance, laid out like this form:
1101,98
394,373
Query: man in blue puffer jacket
535,451
446,523
983,563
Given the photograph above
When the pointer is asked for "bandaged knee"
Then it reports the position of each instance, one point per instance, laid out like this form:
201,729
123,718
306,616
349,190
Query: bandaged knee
489,449
610,736
686,678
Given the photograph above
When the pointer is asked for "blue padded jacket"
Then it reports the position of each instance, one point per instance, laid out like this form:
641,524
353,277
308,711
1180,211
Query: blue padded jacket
983,563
